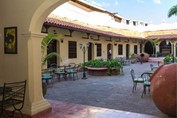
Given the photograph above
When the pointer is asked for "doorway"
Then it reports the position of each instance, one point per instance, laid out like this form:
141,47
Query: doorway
109,51
52,47
90,51
127,51
165,49
149,48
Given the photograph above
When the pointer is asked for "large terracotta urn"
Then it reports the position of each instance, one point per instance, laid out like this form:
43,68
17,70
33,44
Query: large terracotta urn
144,58
164,90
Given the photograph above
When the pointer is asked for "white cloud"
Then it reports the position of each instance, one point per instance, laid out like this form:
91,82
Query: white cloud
157,1
116,3
140,1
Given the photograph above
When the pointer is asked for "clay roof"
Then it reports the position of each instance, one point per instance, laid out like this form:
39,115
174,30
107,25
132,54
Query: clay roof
104,31
74,25
166,36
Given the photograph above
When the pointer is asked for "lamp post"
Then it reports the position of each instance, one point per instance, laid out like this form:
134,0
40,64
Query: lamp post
167,42
84,49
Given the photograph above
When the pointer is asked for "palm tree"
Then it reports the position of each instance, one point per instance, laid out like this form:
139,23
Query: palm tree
45,42
172,11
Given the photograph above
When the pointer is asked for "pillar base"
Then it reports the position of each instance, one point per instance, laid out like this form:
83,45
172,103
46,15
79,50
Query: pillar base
36,108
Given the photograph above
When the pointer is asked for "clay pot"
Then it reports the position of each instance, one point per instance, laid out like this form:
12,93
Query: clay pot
163,89
144,58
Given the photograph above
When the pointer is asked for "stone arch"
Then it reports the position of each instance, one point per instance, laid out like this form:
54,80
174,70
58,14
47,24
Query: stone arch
35,102
148,48
42,12
165,49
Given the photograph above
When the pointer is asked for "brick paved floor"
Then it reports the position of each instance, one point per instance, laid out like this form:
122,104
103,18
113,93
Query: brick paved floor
113,92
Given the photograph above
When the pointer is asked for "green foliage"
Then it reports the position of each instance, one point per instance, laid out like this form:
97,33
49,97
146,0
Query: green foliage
133,56
172,11
45,42
111,64
154,42
114,64
97,63
169,59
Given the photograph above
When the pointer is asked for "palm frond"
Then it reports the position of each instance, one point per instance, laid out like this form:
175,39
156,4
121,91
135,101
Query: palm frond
48,57
172,11
47,39
154,41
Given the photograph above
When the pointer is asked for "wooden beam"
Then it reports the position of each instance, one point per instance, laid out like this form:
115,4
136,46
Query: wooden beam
70,33
87,37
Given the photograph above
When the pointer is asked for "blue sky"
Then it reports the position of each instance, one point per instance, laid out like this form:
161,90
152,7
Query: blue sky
151,11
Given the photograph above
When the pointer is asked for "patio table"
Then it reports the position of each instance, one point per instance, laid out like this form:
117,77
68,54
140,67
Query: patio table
47,77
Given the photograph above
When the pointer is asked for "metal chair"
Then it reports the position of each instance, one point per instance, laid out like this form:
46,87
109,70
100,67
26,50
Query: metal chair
153,67
13,97
135,80
147,83
73,69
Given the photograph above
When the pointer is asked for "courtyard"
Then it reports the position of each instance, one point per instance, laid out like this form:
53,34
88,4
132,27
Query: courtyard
112,92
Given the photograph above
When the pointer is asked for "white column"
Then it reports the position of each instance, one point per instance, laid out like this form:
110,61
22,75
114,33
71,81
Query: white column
34,101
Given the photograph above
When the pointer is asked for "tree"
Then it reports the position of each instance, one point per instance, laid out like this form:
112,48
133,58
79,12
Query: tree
154,43
172,11
45,42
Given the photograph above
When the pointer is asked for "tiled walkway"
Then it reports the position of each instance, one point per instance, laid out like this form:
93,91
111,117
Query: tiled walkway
69,110
101,97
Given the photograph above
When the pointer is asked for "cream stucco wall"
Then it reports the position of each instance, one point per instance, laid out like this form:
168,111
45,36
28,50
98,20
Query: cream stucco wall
77,36
28,16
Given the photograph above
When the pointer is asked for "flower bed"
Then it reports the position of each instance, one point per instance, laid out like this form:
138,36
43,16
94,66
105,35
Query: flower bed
102,67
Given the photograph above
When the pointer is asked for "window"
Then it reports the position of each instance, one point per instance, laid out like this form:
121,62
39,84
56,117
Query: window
72,49
120,49
127,22
134,23
135,49
98,49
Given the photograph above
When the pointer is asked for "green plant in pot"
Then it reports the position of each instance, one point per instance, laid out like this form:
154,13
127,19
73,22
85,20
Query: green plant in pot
167,59
133,58
46,57
114,67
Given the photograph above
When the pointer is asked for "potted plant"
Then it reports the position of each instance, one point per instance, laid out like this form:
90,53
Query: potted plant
133,58
169,59
45,57
114,67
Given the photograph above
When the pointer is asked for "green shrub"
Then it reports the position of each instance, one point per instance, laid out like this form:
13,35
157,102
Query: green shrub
111,64
168,59
97,63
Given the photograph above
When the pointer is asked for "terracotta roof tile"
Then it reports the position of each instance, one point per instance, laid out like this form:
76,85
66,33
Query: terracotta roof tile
103,31
166,36
68,25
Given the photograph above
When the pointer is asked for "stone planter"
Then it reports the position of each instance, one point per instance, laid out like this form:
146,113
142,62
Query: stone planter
163,89
97,71
102,71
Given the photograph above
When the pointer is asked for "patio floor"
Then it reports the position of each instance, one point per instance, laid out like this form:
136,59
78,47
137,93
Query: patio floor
70,110
108,95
